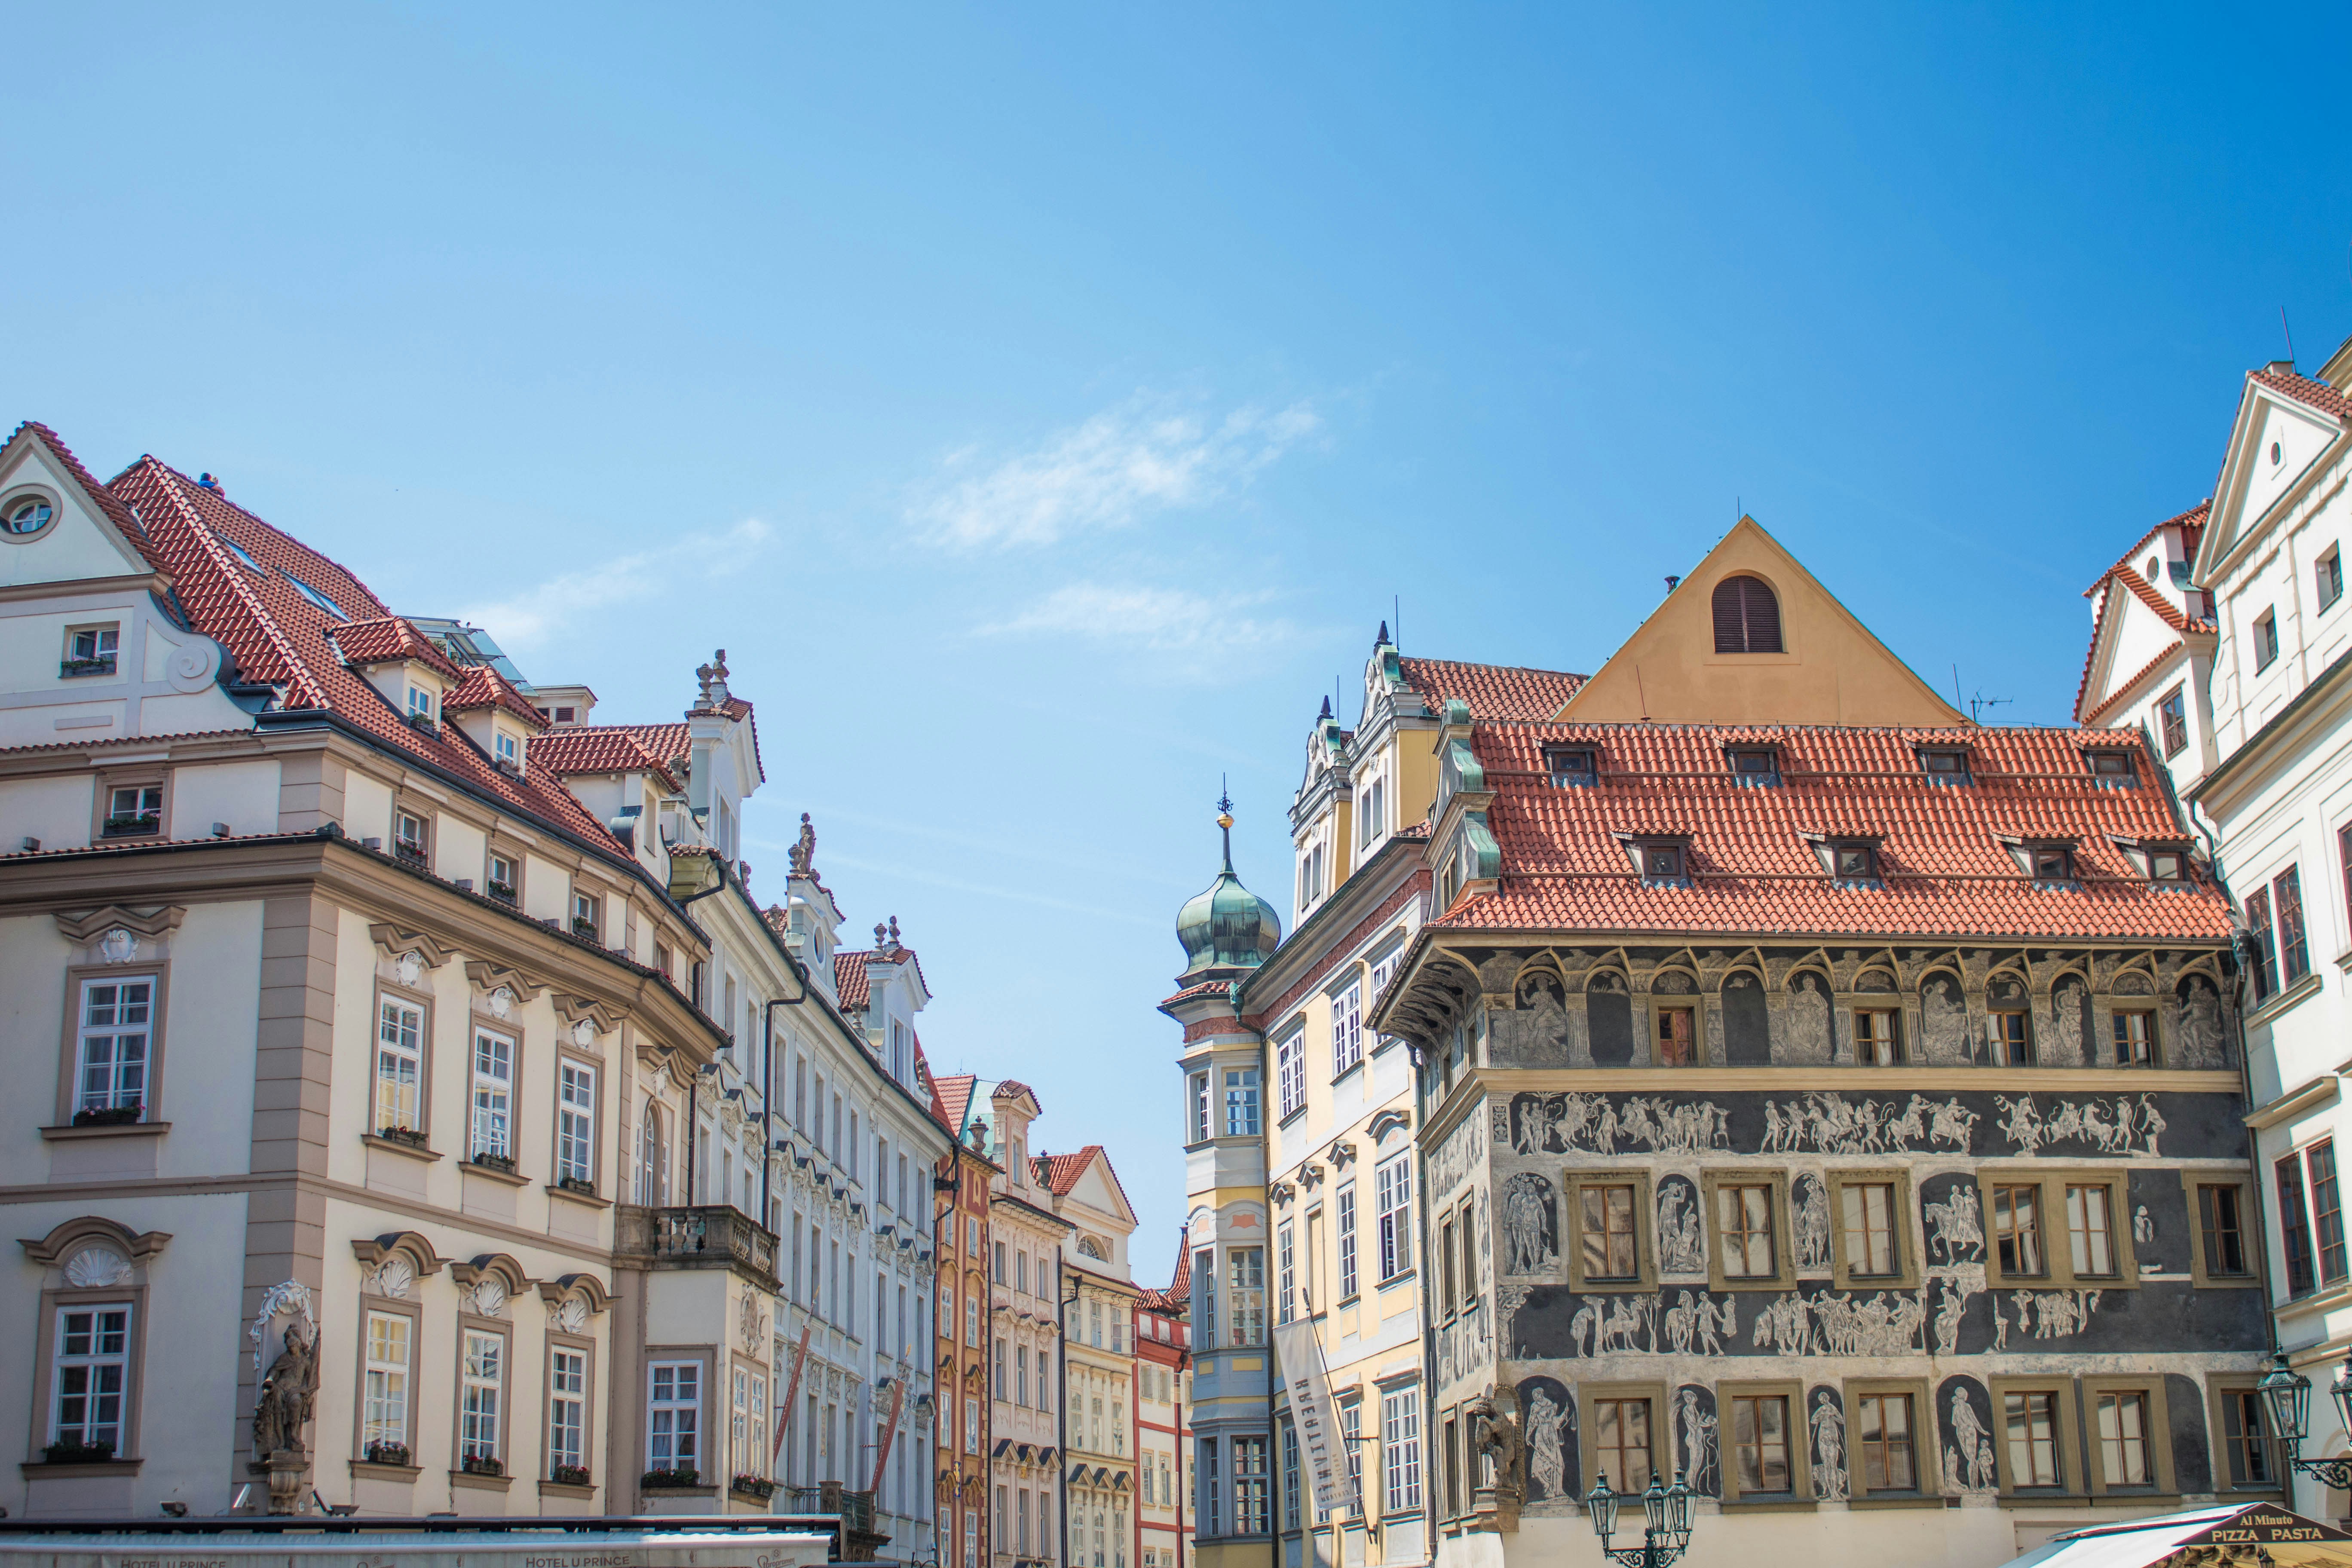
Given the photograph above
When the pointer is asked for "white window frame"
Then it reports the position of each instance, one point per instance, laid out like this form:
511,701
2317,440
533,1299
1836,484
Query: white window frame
1348,1028
1393,1208
420,703
1290,1074
399,1065
490,1124
575,1121
1348,1278
567,1407
105,642
1401,1449
117,1072
504,746
674,1416
1286,1273
1242,1117
482,1397
385,1388
1202,1107
95,1376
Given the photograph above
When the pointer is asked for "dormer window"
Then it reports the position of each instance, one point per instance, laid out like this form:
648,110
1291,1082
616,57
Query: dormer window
1854,862
2167,865
420,707
1758,766
1571,767
2112,770
1944,764
1661,862
509,751
2050,864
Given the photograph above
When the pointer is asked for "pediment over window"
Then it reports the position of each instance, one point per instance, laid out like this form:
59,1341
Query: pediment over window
86,1231
603,1016
393,942
98,922
489,978
372,1251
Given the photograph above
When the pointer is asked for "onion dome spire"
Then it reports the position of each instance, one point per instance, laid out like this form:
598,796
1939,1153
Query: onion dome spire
1226,930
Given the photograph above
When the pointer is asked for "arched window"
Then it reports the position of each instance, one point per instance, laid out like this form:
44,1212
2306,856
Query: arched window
1747,616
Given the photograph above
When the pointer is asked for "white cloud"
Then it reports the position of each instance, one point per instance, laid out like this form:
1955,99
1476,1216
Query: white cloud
1141,456
532,618
1149,617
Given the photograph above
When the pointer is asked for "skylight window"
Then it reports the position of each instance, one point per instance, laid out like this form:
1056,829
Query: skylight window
1570,765
1944,764
239,551
1757,766
2053,863
2114,770
313,594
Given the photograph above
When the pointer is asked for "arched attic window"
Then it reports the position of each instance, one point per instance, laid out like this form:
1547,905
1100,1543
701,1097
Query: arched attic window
1747,616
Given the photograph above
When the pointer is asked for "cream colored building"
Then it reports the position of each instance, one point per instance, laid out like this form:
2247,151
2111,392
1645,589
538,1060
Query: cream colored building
408,1025
1097,1295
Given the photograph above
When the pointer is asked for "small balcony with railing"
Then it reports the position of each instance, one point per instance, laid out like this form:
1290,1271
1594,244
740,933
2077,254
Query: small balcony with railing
859,1538
707,1236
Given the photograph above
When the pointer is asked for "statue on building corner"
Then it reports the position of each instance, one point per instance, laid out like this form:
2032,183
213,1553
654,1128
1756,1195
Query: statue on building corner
281,1413
1494,1439
803,853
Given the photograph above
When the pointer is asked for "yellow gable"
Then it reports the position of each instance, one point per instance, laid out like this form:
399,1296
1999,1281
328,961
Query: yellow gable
1823,667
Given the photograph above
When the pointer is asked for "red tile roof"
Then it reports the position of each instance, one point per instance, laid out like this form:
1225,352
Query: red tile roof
1059,1173
2121,689
388,639
1013,1088
954,1093
1493,690
939,1107
849,981
601,749
276,636
1178,1297
2313,394
483,686
1947,873
2191,524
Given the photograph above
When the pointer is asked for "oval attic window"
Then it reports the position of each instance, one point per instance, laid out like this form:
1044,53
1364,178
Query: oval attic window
29,516
2274,453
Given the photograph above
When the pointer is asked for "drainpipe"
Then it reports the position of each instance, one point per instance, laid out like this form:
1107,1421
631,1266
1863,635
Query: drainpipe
1062,1394
768,1091
1430,1495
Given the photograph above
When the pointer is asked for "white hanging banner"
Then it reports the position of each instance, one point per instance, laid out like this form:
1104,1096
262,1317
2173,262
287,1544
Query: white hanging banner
1321,1445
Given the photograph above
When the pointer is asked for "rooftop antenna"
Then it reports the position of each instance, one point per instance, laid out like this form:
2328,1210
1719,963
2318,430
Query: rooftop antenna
2287,334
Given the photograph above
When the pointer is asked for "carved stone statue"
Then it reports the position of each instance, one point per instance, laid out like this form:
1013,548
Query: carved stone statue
803,853
1495,1436
287,1389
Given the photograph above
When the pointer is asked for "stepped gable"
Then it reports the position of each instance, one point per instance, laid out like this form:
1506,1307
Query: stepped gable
1564,865
278,636
1493,690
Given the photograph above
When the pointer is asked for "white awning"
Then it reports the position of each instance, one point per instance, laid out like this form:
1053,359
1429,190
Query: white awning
2291,1541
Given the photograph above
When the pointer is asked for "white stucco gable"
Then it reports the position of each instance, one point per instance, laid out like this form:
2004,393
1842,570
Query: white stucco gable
2276,445
77,543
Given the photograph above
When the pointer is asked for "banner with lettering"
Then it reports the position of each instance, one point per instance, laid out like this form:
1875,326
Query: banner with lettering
1322,1447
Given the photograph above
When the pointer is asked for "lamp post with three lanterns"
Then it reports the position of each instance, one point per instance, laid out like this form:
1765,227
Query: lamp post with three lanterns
1666,1522
2288,1393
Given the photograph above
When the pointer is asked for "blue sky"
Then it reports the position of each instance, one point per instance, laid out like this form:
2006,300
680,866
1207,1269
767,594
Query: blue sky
1043,406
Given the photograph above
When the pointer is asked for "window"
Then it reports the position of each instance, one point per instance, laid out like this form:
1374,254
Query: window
134,809
2293,941
2089,1232
1246,1293
575,1124
747,1423
2016,1230
506,749
1571,766
1290,1076
1286,1280
2135,1033
399,1065
483,1379
1877,1035
1854,862
2294,1226
27,515
1882,1435
90,650
567,1410
1445,1296
1250,1499
111,1057
2265,966
1760,1444
1621,1443
1867,1217
1347,1236
1944,764
1003,1276
384,1397
2124,1450
2221,1230
1289,1478
1347,1029
2327,1211
316,597
2172,721
1401,1449
239,550
1744,1230
408,838
502,885
673,1417
1609,1246
2010,1031
2167,864
1757,766
2245,1437
2329,569
1200,1107
1676,1036
1392,1206
90,1377
1661,862
2114,769
1241,1102
2031,1429
493,1124
1747,616
587,911
420,705
2053,863
2266,641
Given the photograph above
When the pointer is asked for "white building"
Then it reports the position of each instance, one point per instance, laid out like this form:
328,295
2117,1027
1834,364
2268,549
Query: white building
2151,655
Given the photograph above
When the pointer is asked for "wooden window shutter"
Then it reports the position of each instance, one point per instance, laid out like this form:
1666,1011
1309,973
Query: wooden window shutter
1747,616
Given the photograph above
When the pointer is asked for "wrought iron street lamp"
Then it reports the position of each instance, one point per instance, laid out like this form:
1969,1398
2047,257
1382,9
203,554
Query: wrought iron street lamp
2288,1393
1666,1522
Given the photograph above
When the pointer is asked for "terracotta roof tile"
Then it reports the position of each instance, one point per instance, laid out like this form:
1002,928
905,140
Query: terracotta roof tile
2312,395
2191,524
954,1093
1947,873
277,636
1178,1297
601,749
2122,687
1493,690
483,686
849,981
386,639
